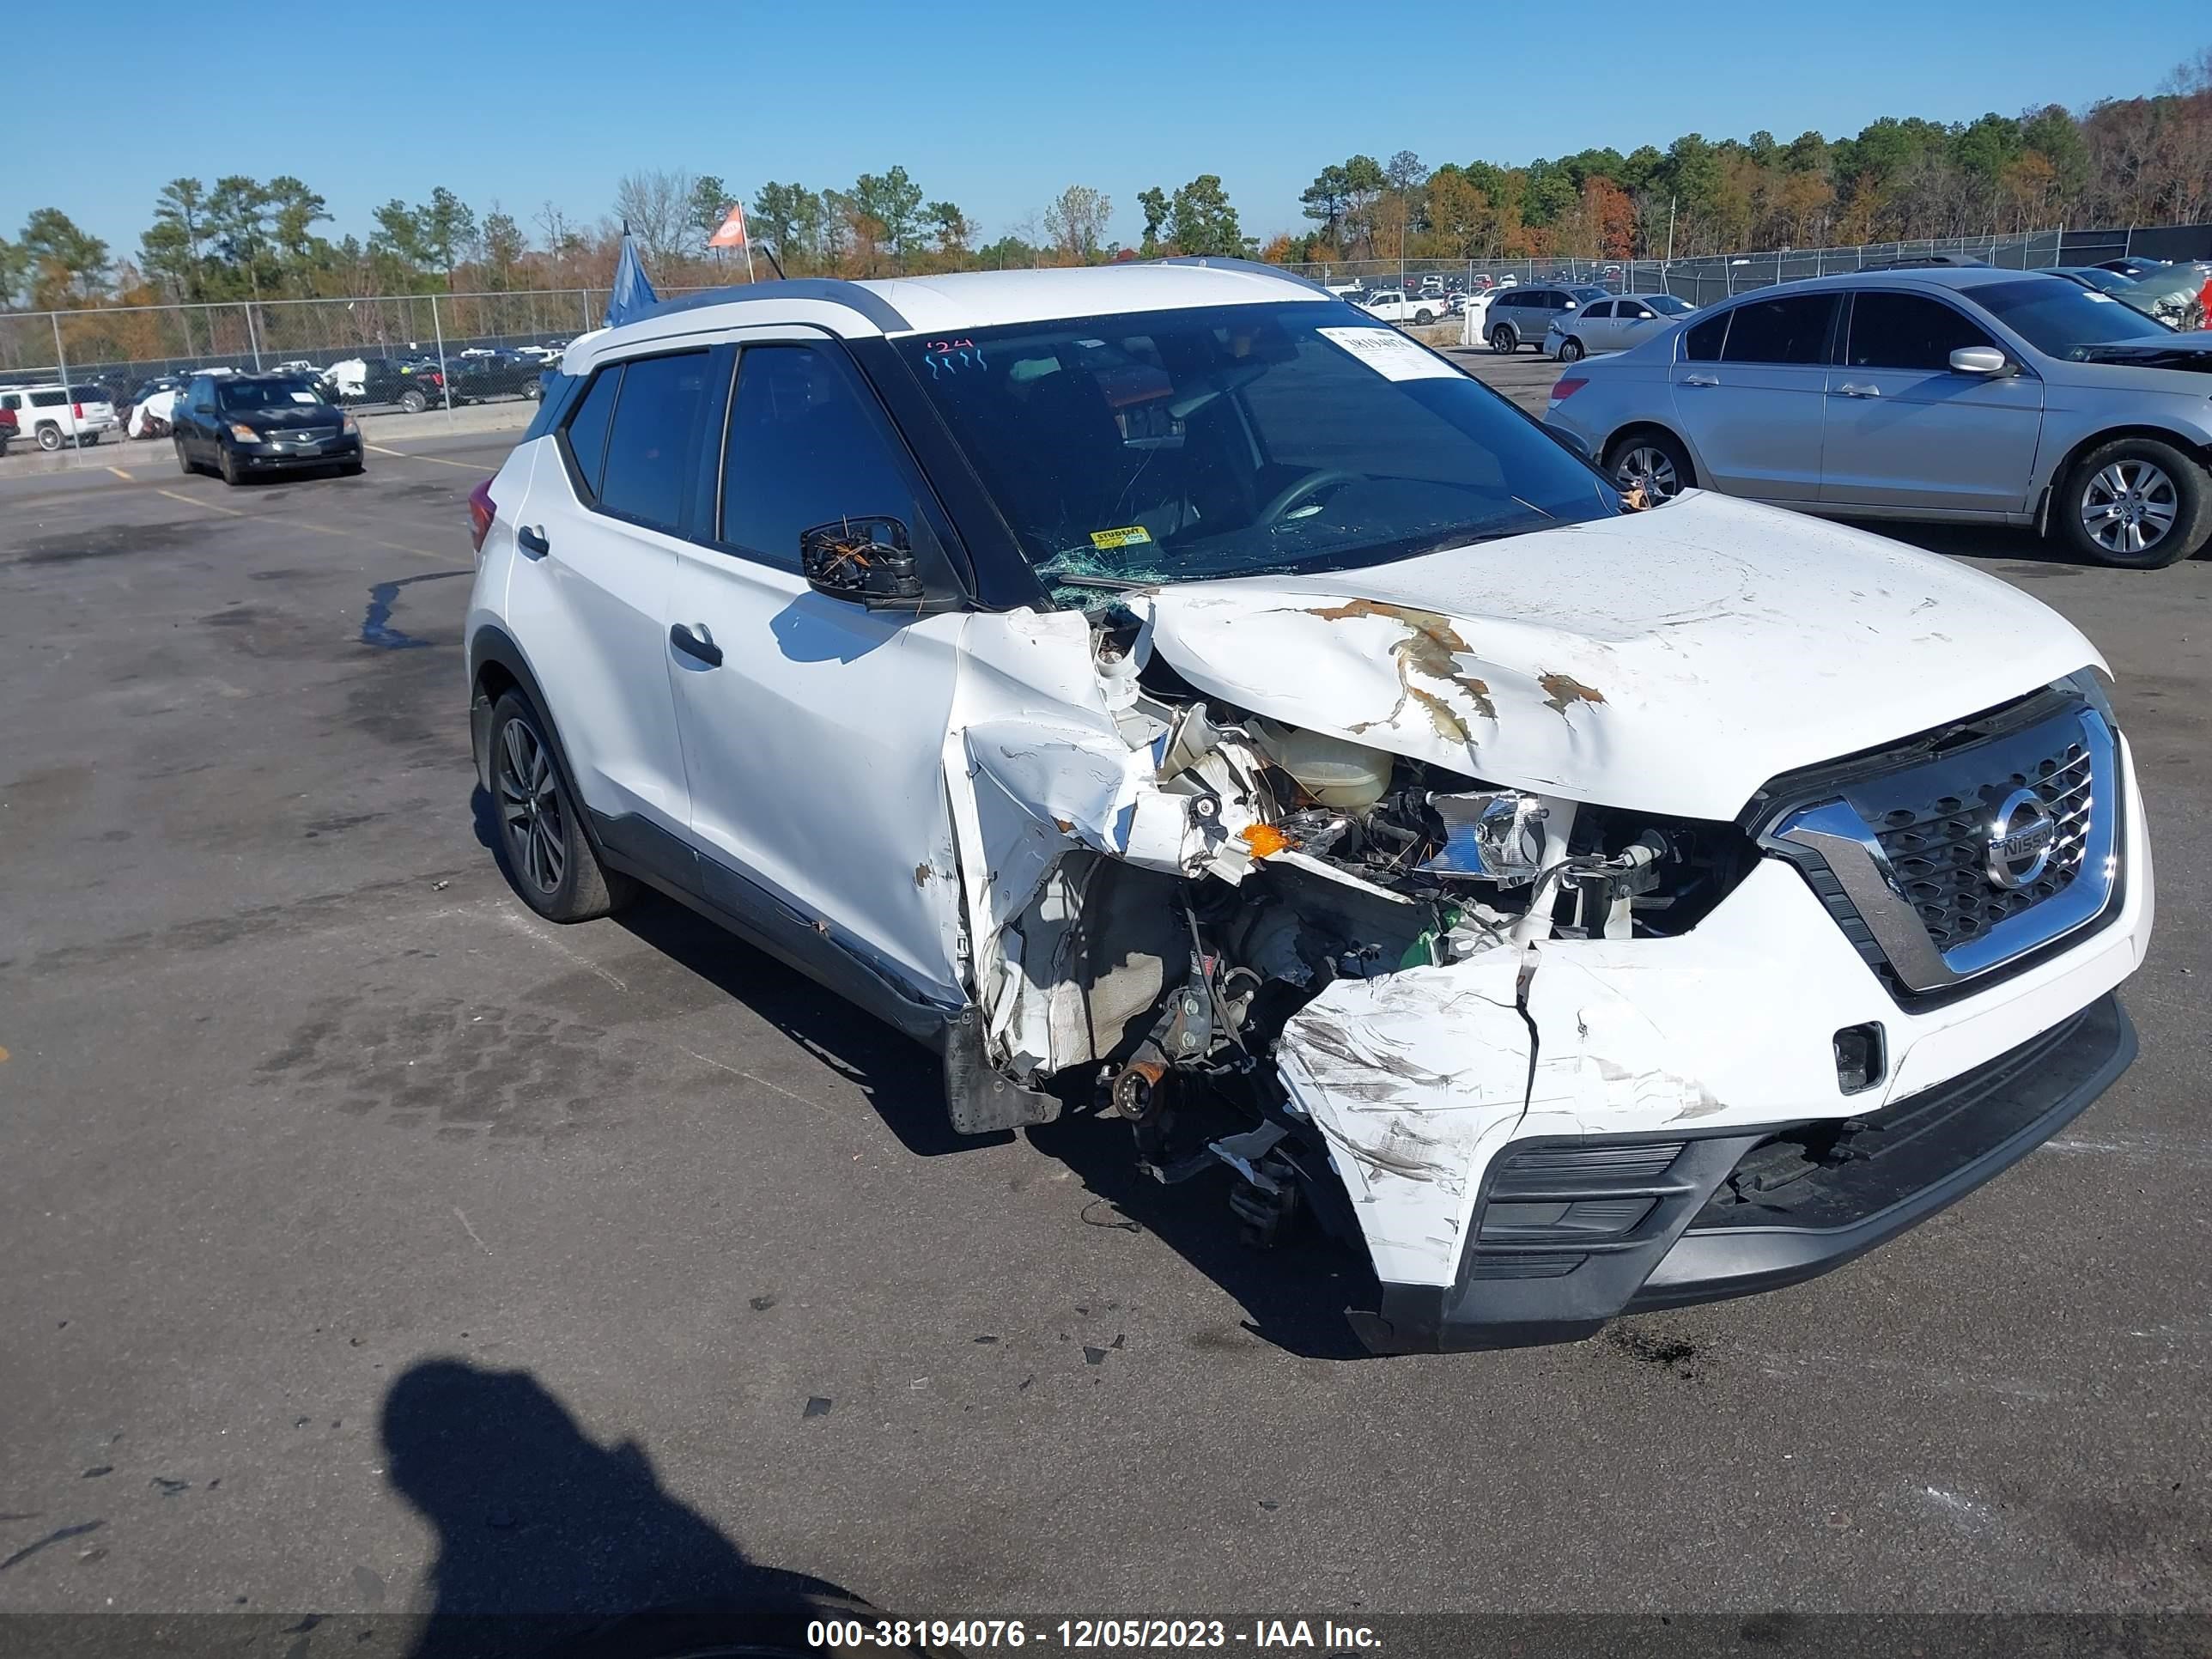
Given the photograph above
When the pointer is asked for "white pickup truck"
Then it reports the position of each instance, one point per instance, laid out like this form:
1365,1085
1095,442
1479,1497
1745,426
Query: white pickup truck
53,415
1392,305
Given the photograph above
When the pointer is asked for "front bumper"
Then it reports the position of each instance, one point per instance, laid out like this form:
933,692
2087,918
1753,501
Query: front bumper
1723,1220
1437,1090
272,458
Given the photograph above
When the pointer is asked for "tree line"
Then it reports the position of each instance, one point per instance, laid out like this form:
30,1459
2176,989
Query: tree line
2125,161
2135,161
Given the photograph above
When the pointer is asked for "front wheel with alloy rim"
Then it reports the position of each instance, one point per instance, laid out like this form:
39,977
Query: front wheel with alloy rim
542,846
1570,351
2137,503
1653,461
1503,340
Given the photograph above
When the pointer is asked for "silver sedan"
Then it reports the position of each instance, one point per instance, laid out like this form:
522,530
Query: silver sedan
1970,394
1612,325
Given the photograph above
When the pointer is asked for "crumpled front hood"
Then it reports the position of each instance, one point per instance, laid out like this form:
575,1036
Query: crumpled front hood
1671,661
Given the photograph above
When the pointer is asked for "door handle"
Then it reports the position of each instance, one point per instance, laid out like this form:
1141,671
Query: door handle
1850,391
1701,379
699,646
533,541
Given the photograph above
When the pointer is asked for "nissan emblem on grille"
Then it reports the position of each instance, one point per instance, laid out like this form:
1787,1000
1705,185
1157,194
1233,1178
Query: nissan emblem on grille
2022,835
1972,858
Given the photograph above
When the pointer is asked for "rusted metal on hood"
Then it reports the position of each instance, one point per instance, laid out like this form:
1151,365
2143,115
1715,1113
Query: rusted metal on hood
1432,647
1562,691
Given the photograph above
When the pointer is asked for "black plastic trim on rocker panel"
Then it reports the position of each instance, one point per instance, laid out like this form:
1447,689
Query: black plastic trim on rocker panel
822,951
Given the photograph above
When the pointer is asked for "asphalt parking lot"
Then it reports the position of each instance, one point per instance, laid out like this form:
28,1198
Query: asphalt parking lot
370,1244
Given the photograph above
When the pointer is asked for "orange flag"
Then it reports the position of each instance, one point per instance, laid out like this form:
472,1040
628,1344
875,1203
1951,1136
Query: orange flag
733,233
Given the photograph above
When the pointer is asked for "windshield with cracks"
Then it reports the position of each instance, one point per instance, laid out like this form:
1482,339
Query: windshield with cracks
1183,446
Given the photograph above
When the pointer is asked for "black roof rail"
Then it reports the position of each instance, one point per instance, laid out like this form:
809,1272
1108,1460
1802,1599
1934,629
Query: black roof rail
852,295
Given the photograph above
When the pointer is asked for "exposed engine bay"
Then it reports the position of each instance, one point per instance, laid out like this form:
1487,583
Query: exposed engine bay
1238,868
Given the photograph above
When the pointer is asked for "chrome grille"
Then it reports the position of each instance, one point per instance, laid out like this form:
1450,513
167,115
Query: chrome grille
1936,852
1898,853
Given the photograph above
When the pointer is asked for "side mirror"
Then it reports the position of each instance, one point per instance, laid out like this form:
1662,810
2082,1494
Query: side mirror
1978,360
863,561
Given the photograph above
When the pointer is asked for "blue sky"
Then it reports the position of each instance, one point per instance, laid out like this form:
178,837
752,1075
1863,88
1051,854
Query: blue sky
996,105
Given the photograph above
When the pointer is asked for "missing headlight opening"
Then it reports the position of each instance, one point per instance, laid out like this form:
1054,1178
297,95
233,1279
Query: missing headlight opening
1240,868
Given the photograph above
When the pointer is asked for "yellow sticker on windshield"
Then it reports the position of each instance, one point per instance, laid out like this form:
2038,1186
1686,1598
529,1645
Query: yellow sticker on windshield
1127,537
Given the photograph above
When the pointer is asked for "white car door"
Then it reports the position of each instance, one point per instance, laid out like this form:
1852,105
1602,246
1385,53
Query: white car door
813,729
596,542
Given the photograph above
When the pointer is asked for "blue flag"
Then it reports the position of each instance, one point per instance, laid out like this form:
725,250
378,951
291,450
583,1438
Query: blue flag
632,296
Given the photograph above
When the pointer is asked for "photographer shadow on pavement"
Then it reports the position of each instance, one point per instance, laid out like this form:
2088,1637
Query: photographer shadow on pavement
547,1539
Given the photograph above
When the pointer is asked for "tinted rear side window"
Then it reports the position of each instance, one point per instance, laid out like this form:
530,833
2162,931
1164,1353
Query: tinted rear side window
1701,342
53,400
805,450
649,445
1791,330
587,428
1906,330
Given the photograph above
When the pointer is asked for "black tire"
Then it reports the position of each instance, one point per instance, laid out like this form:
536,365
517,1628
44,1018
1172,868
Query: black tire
353,469
50,437
413,402
548,859
184,461
226,465
1570,350
1619,451
87,441
1504,341
1423,317
2182,489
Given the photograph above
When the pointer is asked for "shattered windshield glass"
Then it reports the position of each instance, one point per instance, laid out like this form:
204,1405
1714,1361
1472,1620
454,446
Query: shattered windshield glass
1183,446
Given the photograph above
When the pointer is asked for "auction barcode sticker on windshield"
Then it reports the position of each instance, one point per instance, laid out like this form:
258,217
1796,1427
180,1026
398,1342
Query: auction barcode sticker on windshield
1390,354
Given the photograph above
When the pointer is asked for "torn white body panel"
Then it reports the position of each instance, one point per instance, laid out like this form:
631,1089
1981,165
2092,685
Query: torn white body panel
1039,764
1668,661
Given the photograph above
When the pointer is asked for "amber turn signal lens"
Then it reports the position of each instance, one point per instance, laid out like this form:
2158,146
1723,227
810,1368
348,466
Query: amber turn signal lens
1264,839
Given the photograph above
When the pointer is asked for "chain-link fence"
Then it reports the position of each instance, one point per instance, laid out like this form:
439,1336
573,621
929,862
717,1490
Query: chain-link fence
1700,278
378,353
1704,278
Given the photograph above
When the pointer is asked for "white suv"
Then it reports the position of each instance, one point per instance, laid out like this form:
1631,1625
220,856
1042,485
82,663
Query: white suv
1168,692
51,416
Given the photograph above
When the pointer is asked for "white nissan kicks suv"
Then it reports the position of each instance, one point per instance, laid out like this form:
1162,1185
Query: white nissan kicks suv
1168,692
